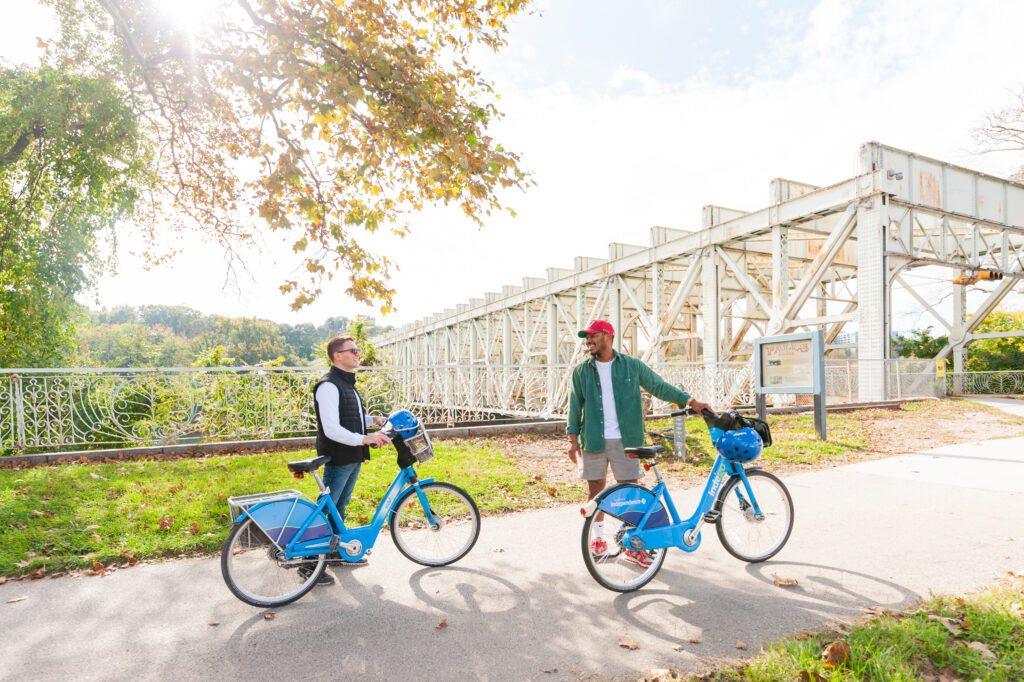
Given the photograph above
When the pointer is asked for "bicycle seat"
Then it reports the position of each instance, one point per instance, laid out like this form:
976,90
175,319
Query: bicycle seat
645,452
307,465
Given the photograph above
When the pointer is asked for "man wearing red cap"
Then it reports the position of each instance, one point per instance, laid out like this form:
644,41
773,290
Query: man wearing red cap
606,416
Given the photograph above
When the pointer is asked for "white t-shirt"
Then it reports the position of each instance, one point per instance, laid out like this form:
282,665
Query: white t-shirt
611,417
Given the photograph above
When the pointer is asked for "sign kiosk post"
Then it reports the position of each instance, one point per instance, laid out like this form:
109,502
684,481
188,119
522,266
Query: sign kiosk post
791,364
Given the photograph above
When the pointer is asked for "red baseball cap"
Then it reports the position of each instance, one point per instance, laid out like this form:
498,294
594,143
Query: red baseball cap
597,326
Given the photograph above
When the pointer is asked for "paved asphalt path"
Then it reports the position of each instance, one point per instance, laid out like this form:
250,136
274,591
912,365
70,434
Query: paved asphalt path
886,533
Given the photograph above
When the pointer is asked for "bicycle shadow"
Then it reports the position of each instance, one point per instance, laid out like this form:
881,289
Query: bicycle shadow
693,610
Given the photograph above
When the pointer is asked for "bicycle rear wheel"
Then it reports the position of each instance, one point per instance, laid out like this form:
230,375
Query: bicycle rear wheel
614,569
744,533
256,571
454,532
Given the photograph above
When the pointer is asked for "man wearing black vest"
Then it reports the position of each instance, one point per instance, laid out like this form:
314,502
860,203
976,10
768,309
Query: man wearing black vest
341,425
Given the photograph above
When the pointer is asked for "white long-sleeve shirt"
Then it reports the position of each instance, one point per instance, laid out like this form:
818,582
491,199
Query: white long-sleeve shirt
327,398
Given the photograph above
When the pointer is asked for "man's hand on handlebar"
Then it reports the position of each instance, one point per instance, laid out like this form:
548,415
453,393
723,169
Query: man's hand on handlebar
700,408
376,440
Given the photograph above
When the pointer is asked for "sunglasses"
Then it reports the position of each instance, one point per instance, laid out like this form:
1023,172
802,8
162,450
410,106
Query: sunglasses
348,350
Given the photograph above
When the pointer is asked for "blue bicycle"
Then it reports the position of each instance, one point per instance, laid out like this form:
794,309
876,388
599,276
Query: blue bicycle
277,534
751,509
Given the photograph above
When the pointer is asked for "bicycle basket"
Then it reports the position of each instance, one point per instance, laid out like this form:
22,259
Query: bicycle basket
420,446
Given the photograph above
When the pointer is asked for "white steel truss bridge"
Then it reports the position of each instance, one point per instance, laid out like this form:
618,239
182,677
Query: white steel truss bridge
826,258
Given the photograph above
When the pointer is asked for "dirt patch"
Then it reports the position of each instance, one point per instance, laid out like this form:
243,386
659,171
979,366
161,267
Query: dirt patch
911,427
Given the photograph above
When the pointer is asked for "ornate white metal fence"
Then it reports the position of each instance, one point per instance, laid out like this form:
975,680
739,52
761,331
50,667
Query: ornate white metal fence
88,408
1009,382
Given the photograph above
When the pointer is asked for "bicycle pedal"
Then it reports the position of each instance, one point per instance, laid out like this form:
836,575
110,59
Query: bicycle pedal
712,516
335,541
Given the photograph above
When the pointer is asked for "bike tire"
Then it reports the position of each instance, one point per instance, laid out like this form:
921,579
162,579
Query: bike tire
253,570
611,570
453,537
742,533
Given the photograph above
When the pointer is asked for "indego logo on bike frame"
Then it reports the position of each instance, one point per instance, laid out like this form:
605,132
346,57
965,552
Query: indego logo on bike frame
631,503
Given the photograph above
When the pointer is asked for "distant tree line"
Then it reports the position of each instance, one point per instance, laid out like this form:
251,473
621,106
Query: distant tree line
178,336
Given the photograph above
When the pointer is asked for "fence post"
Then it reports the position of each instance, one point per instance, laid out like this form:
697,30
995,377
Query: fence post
899,381
19,413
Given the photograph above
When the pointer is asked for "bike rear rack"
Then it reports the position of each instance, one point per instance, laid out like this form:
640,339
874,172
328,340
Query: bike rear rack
239,504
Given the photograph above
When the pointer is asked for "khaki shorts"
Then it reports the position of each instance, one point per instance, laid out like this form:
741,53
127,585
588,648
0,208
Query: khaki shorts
593,466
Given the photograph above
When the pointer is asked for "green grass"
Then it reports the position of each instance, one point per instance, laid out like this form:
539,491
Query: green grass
910,646
793,442
69,516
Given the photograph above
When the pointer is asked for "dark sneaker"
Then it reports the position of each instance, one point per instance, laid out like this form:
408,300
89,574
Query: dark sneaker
325,579
350,564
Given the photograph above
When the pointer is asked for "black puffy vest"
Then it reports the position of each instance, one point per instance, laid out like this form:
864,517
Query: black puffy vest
348,416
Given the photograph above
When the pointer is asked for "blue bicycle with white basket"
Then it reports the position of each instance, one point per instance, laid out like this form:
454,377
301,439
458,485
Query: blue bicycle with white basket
751,509
275,534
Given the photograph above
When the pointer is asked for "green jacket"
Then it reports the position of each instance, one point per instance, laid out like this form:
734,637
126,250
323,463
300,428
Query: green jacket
629,375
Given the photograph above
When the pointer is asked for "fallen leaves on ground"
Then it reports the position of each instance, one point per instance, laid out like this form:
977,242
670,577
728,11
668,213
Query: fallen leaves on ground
269,615
982,649
96,476
46,513
948,623
166,522
37,573
660,675
552,671
810,676
215,623
741,645
785,582
694,640
873,610
626,643
11,601
836,653
442,624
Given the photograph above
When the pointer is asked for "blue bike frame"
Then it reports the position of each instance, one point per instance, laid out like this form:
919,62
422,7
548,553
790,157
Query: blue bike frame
301,529
653,514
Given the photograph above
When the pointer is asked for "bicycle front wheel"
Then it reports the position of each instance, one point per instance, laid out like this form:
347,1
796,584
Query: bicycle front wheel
612,564
746,534
453,532
258,573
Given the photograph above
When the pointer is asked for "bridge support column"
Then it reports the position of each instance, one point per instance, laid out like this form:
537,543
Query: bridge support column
872,301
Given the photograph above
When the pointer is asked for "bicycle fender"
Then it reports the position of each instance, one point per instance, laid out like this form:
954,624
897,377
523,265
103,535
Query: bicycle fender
630,503
281,520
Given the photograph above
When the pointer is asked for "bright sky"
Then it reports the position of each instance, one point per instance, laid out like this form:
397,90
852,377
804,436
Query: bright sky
637,114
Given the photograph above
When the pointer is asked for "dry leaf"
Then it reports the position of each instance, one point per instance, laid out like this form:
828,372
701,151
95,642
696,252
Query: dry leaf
552,491
552,671
873,610
3,579
538,477
92,526
269,615
215,622
442,624
982,649
809,676
836,653
785,582
627,643
96,537
953,629
497,549
694,640
741,645
96,476
677,647
11,601
38,573
22,564
165,522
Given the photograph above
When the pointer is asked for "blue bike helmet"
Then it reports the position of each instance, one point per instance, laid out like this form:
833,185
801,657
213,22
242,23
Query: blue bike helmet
404,423
741,445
